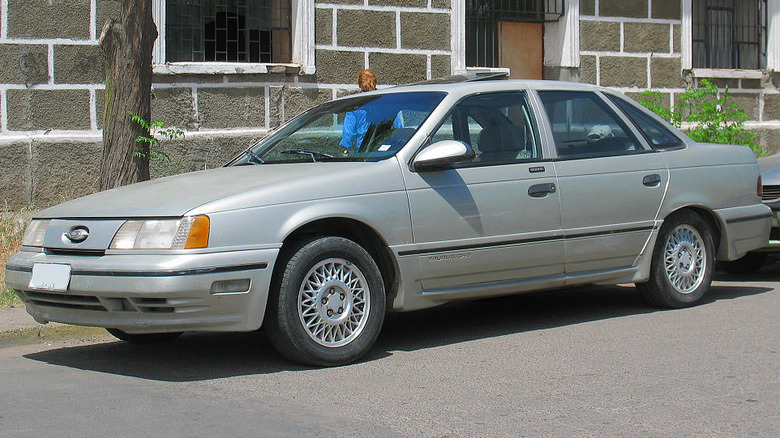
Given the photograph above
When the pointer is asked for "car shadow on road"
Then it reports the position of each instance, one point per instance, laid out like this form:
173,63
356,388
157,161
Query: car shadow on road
488,318
207,356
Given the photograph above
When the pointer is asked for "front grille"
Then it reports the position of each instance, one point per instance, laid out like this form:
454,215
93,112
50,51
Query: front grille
771,193
65,301
75,252
100,304
151,305
774,234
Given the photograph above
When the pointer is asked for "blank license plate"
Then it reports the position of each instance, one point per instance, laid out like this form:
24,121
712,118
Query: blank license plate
50,276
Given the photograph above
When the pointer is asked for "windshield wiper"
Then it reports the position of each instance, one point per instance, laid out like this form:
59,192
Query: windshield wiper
312,153
253,157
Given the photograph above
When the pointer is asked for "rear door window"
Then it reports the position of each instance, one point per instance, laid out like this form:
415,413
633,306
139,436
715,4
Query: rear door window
584,125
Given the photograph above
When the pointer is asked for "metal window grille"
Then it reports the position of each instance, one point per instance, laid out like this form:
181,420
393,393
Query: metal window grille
228,31
483,18
729,34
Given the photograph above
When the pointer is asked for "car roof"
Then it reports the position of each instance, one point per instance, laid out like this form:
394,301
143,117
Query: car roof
482,86
494,85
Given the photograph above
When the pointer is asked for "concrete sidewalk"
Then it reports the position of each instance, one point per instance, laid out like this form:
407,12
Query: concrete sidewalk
16,318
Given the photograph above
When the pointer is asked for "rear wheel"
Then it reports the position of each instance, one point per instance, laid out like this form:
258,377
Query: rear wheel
329,305
145,338
683,261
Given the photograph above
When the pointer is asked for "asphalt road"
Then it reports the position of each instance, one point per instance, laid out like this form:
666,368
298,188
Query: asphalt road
590,361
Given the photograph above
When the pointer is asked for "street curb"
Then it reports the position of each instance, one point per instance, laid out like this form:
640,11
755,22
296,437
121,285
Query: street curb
47,333
17,327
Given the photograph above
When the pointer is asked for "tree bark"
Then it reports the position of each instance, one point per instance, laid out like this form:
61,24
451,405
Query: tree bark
127,45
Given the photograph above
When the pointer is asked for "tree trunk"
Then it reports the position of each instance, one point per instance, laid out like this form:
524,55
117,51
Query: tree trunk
127,45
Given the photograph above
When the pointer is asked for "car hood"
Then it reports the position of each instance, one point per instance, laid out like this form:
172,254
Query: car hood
230,188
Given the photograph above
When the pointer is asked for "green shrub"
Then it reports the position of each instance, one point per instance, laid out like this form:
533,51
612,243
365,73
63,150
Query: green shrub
157,131
710,116
12,226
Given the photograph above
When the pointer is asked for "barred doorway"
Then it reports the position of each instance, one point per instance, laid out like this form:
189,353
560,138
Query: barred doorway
509,34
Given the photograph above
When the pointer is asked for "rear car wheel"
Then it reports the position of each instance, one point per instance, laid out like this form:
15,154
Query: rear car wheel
683,262
141,339
329,305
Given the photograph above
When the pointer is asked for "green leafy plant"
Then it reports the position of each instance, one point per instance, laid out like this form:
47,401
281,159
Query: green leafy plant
157,133
12,225
709,116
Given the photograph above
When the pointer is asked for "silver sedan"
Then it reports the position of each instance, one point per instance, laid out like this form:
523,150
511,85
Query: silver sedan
396,200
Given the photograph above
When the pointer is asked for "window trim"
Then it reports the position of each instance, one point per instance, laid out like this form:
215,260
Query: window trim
302,47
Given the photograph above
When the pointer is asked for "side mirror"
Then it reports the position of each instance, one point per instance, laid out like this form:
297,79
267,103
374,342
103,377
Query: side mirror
442,154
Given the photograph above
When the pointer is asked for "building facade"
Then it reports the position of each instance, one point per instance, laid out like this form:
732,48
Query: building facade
228,71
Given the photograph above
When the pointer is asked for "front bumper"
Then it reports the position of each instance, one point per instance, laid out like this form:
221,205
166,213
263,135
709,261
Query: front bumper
150,293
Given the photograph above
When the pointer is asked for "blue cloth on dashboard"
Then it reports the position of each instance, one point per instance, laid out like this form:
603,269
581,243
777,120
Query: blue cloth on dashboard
355,127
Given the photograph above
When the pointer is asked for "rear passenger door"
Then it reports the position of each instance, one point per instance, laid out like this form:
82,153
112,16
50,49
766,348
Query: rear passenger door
611,186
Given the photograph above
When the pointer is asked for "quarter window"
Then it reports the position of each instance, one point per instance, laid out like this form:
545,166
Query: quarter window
584,125
656,134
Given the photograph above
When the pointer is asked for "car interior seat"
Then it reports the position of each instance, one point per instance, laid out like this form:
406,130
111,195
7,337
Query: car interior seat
501,142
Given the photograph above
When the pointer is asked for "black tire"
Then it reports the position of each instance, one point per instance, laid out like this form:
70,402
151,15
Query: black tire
143,339
748,264
328,305
683,262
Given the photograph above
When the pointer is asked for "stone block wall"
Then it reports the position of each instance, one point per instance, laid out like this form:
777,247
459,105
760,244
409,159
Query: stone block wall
52,89
402,41
631,45
635,45
52,73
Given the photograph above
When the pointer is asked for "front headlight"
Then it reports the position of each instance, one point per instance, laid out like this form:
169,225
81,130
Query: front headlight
185,233
35,232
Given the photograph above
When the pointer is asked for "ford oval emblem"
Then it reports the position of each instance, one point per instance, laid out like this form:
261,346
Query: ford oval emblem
78,234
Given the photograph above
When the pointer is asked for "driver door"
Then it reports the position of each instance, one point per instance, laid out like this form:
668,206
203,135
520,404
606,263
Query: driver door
496,219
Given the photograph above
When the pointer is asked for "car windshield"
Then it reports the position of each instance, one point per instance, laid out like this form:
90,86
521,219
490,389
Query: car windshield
361,128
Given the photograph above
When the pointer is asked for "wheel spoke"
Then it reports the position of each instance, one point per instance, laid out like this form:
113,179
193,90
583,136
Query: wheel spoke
333,302
684,259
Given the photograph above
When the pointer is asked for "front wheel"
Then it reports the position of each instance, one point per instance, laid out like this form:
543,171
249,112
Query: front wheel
329,305
683,262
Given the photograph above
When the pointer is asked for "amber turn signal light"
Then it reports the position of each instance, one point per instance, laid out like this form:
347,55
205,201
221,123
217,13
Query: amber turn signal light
198,236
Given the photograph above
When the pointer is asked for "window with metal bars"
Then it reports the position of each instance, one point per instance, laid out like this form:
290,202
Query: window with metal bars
483,18
228,31
729,34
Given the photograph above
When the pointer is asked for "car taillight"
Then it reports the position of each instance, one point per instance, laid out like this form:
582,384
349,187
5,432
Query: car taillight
759,187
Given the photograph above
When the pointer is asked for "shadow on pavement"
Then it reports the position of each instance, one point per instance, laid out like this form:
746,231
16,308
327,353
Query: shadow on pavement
770,271
206,356
473,320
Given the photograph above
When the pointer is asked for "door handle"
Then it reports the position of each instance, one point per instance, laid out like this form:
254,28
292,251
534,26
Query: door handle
652,180
541,190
